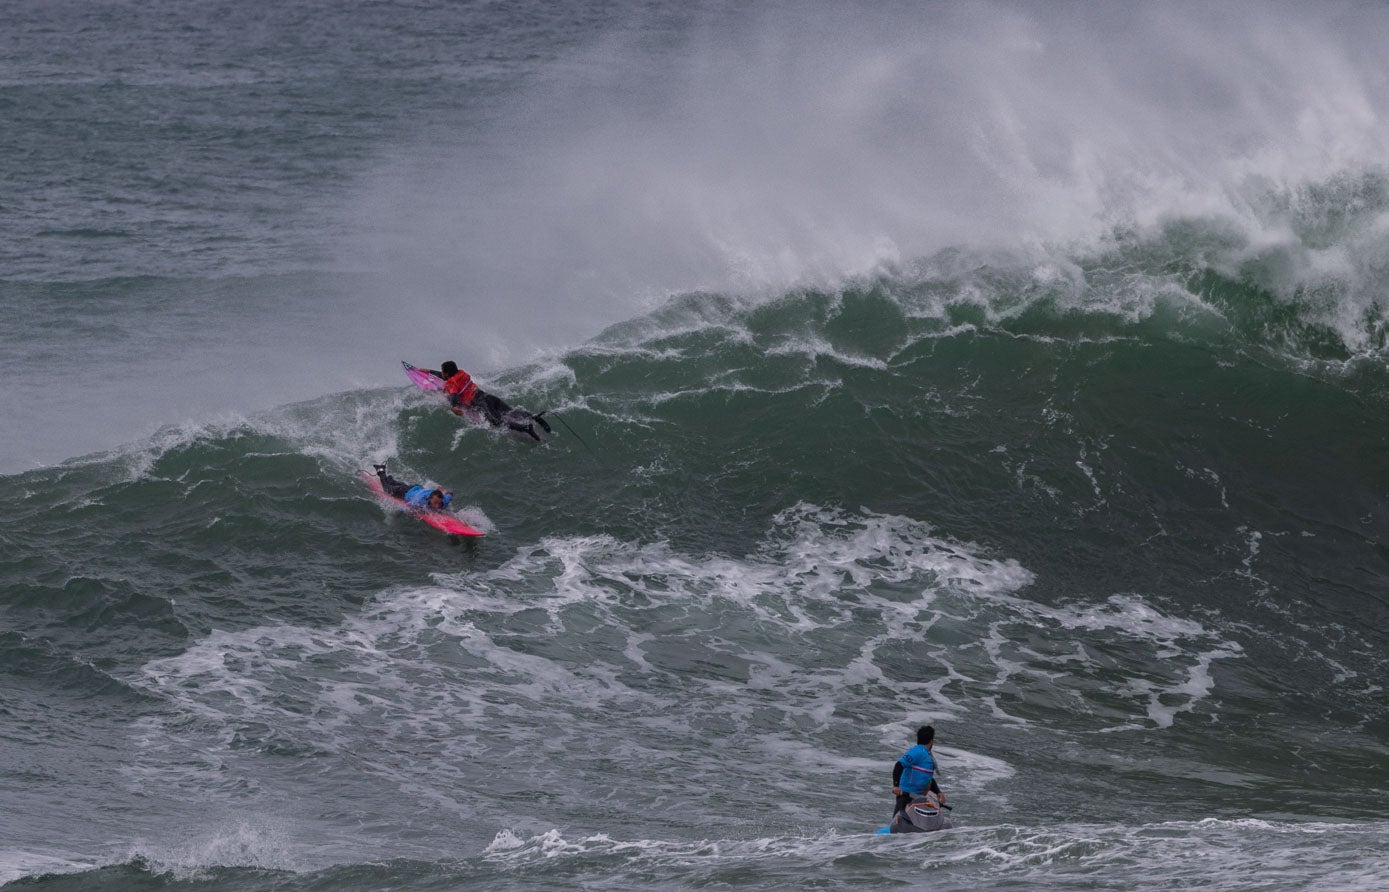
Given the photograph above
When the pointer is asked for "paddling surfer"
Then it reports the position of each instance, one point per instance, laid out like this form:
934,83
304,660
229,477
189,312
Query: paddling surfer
419,497
463,393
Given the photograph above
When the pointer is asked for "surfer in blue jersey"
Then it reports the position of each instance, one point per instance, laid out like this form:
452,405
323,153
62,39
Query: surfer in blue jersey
423,498
914,775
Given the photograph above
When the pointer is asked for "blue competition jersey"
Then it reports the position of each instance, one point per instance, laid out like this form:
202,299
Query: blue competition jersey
918,770
418,497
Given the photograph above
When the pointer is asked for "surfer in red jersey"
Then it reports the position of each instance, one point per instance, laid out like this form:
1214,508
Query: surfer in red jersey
463,394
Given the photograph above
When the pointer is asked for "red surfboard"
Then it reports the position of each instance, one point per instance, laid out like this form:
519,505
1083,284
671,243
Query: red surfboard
440,520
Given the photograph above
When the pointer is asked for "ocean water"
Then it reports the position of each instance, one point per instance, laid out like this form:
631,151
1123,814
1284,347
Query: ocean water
1019,369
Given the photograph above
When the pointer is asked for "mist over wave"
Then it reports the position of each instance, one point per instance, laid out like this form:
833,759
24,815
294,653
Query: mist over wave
756,151
500,206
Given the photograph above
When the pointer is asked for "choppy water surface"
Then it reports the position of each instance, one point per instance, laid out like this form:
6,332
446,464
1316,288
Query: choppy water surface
1070,446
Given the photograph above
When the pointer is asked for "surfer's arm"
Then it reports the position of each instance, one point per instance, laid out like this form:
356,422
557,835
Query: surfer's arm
897,769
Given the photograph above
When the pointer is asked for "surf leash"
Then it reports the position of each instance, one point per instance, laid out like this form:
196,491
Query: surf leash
550,412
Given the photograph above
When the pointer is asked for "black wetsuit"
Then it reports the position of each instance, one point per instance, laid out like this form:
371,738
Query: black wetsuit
495,410
492,407
392,486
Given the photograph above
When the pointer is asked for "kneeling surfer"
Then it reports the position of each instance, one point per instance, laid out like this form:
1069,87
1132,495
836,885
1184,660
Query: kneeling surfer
914,775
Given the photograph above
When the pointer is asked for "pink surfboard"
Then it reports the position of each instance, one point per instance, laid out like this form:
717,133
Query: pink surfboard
440,520
422,378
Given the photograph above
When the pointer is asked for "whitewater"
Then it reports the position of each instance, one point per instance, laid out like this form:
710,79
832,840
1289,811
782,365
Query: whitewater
1018,369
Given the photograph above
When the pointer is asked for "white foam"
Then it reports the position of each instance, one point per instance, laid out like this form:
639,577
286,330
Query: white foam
261,842
1183,653
1210,853
1227,855
817,347
378,671
18,863
827,606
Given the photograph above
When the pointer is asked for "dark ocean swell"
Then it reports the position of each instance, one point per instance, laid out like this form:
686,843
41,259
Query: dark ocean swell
1115,526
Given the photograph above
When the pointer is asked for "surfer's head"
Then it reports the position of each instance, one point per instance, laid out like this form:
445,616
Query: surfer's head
449,368
438,499
925,734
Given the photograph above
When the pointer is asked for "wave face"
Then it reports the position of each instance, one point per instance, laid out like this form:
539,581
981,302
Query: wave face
1051,417
1114,556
